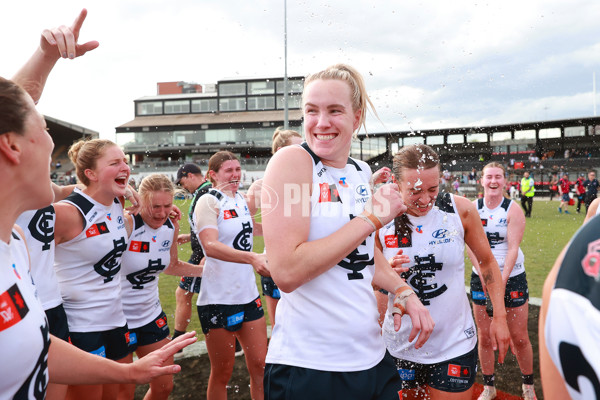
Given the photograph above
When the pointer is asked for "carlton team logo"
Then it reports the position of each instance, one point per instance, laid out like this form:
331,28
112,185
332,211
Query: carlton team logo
591,261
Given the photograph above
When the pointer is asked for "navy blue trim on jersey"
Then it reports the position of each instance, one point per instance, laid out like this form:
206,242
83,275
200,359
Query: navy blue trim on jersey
315,157
15,236
217,194
351,161
505,204
138,222
480,203
81,202
572,276
444,203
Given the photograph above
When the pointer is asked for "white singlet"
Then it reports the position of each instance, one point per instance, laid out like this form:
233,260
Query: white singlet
572,329
330,323
38,226
495,225
225,282
436,248
24,337
147,255
88,265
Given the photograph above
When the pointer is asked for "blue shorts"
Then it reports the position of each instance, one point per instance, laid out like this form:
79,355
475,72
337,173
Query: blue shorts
150,333
57,321
454,376
269,287
190,283
566,197
230,317
111,344
297,383
515,295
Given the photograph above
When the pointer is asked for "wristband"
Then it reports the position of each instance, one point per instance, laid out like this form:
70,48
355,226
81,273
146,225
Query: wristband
373,218
368,221
401,295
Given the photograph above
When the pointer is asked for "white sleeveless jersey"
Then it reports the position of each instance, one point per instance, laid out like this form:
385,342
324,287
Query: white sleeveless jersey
147,255
38,226
572,329
24,333
495,225
88,265
225,282
330,323
436,248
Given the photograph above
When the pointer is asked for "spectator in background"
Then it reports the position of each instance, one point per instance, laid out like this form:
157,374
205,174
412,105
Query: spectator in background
564,186
553,185
591,189
580,190
456,186
473,176
527,193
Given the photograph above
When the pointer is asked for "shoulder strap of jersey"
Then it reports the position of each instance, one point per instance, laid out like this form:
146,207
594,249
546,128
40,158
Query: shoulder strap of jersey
480,203
216,193
505,204
315,157
83,204
138,222
353,162
444,202
169,224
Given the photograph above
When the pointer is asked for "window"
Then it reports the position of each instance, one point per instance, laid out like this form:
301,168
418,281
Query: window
177,107
413,140
263,87
572,131
204,105
501,136
294,101
549,133
232,104
261,103
435,139
477,138
232,89
457,138
294,86
528,134
149,108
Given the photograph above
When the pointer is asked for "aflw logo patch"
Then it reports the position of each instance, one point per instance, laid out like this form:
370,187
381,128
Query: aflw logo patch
97,229
12,307
139,247
392,241
228,214
328,193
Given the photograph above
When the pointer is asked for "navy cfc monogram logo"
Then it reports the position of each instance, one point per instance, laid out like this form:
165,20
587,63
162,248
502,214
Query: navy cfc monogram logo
36,383
356,262
110,264
139,278
418,276
243,240
41,228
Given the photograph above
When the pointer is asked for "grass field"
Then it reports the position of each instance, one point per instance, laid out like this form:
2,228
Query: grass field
546,233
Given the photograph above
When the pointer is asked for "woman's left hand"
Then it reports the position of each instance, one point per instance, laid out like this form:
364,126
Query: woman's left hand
134,199
175,213
398,260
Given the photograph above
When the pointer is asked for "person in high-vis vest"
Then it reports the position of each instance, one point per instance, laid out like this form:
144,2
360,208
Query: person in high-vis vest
527,193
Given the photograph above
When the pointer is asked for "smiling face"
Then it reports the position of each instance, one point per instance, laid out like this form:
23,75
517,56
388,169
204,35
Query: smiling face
156,207
419,188
227,178
329,120
111,171
493,181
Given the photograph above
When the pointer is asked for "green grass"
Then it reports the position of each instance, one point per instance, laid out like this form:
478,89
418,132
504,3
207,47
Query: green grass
546,233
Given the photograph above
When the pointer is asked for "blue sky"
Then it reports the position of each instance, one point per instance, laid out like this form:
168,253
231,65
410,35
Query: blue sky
428,64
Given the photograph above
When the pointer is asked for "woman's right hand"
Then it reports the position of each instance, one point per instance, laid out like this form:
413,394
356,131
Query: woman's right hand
260,264
63,41
386,204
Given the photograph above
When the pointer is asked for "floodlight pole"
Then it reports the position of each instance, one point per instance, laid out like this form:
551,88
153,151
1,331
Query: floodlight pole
285,77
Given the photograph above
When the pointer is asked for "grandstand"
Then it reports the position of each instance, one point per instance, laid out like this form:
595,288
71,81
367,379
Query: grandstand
64,134
541,147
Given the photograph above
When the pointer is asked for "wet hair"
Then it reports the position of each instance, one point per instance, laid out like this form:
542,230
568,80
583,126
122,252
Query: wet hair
14,107
216,160
283,137
358,92
417,156
155,183
84,154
